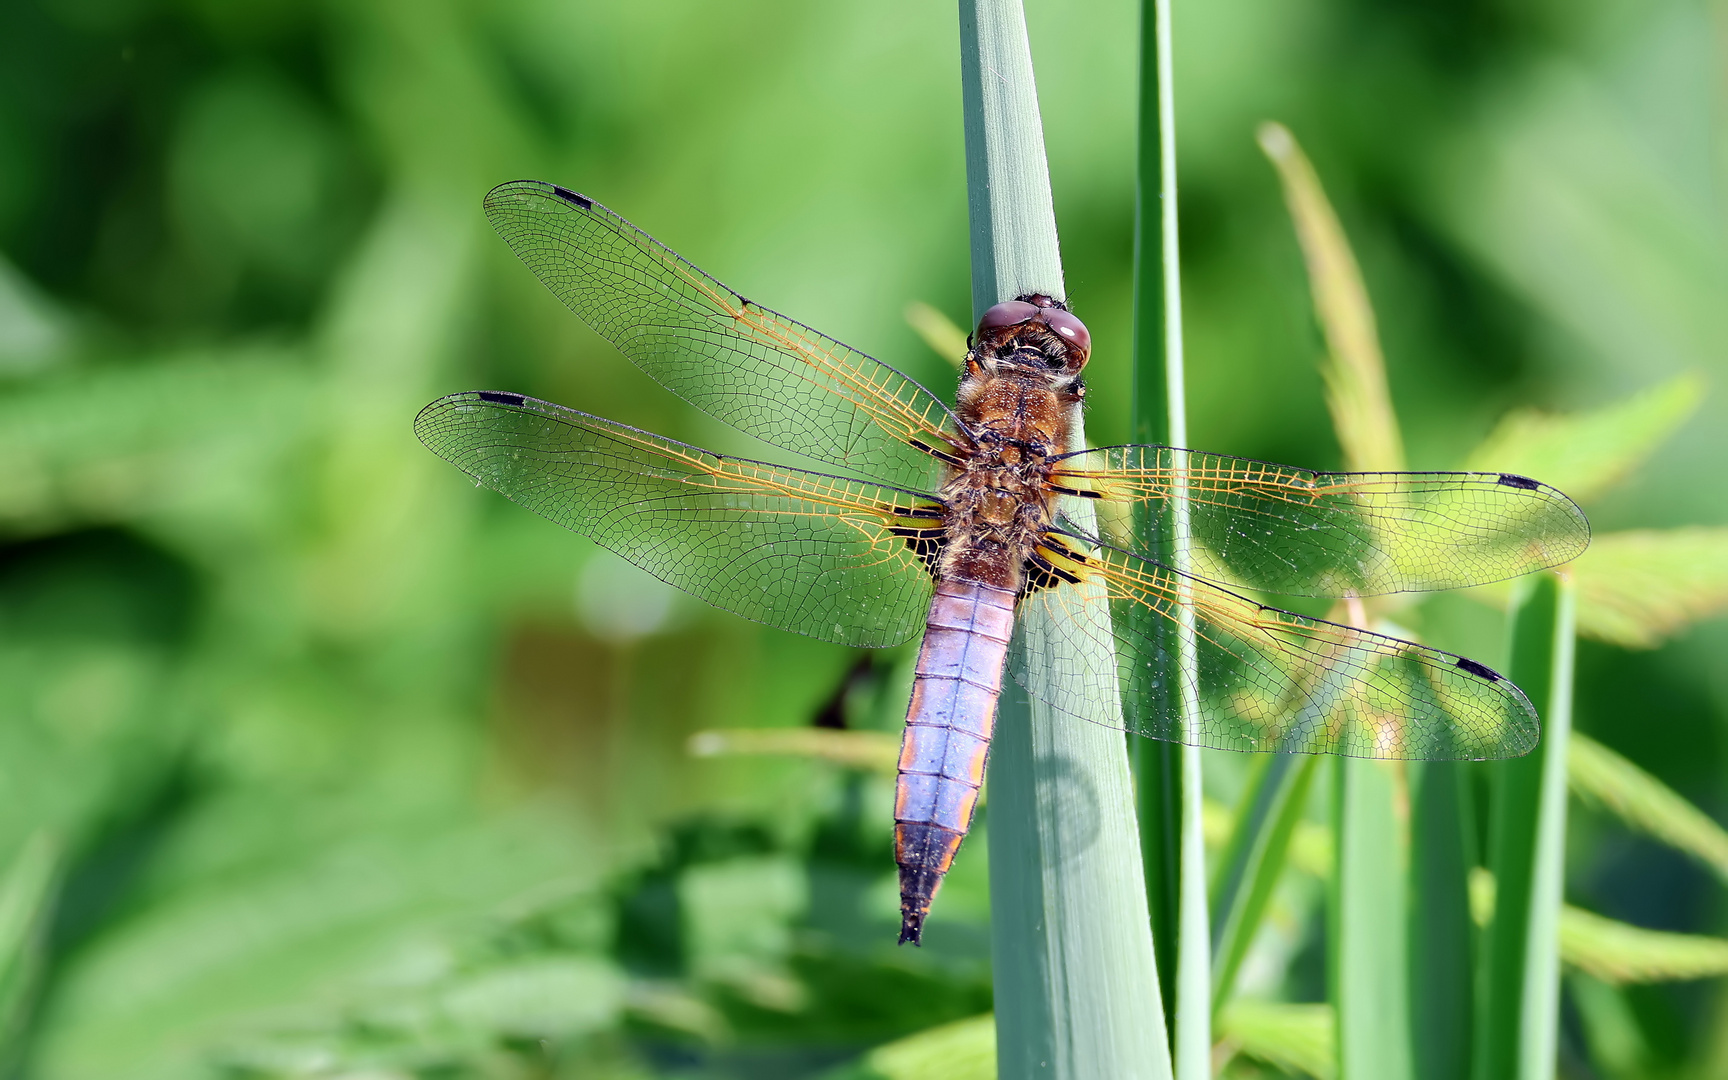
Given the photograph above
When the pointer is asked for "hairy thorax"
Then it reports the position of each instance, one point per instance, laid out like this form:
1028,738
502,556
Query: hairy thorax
998,498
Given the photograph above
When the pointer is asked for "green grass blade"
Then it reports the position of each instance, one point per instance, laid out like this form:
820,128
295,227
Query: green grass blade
1616,952
1611,1032
1441,935
1156,403
1369,969
1370,974
1077,993
1252,861
1601,777
26,903
1295,1038
1518,1003
1170,777
1355,370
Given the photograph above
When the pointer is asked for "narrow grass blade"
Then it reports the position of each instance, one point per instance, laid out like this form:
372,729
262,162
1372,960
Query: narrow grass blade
1295,1038
876,751
1611,1032
1252,860
1077,993
1601,777
1169,777
1616,952
1369,969
1370,973
1355,370
1441,933
1157,416
938,331
26,902
1518,1000
1613,951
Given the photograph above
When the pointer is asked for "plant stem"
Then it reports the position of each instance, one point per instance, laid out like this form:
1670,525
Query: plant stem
1517,1020
1077,993
1157,764
1170,778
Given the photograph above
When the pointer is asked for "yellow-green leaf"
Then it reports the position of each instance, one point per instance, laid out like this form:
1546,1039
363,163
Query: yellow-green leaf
1637,588
1355,370
1600,776
1616,952
1296,1038
1583,454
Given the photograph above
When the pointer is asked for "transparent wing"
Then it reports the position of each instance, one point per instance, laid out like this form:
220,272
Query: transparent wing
1303,533
1264,679
831,558
736,360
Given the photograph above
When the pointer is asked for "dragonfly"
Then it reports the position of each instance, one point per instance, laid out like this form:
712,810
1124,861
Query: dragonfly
979,525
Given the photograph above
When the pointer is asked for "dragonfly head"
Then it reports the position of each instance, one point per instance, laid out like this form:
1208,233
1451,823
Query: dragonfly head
1035,331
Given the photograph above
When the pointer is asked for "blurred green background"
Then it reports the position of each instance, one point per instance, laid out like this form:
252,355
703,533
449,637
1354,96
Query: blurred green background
316,761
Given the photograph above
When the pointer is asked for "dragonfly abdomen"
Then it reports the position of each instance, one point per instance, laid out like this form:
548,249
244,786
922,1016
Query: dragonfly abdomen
947,739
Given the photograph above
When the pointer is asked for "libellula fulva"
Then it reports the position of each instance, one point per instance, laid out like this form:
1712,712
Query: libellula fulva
965,522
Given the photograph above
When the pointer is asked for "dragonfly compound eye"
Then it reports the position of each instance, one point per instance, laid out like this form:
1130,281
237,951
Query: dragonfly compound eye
1007,313
1069,329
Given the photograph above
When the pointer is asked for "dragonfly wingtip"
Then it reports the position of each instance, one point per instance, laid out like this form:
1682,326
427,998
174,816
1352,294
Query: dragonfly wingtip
573,197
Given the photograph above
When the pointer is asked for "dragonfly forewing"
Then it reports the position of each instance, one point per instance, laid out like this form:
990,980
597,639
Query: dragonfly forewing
742,363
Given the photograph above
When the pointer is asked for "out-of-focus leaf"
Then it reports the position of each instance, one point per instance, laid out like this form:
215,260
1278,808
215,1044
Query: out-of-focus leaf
1584,454
1603,778
938,331
370,929
33,334
1355,370
1637,588
545,998
1617,1046
26,896
1253,861
174,437
1296,1038
964,1050
1311,849
1616,952
873,750
738,915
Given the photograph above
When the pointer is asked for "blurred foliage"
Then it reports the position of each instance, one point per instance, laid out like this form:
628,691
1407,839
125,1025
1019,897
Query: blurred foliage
320,763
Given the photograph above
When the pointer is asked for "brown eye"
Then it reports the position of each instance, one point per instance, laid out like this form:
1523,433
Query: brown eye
1069,329
1008,313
